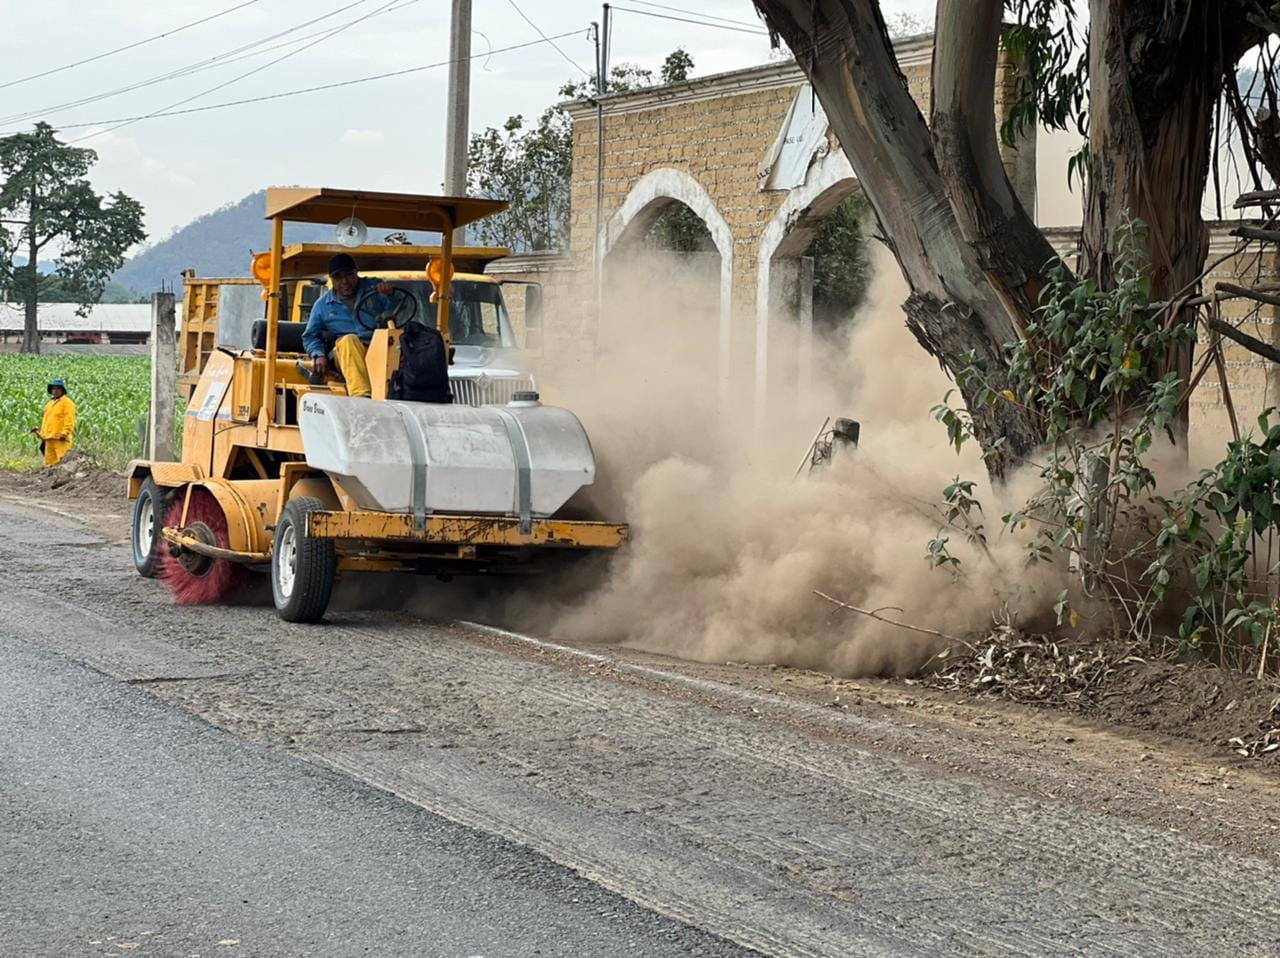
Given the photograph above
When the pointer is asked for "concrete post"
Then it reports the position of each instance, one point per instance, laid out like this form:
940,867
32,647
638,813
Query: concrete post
783,274
804,363
164,378
458,120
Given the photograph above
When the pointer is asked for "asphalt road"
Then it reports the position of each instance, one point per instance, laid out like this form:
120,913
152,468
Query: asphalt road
129,826
719,797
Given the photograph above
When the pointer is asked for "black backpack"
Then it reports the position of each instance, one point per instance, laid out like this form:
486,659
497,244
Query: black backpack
423,375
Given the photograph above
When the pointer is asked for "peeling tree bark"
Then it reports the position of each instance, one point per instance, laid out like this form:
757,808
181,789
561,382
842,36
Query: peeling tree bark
954,309
1009,246
1155,74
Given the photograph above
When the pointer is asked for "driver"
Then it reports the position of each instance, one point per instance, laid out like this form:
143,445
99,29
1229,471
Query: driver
334,314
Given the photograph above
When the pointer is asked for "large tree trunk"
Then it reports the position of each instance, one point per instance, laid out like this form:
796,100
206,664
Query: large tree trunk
970,293
1155,74
30,325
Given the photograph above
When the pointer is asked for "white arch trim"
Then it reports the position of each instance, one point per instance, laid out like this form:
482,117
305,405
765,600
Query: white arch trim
672,184
824,175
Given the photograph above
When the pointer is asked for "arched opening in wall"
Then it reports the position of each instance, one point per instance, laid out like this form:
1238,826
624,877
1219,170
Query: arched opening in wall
661,292
815,268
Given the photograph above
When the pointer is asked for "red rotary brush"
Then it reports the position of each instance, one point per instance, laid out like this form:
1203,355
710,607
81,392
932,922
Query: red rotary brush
194,579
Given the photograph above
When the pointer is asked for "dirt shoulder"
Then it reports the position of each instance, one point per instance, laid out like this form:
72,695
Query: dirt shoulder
1150,740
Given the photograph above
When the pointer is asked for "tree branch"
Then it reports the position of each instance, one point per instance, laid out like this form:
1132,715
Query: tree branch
1258,296
42,243
901,625
1250,343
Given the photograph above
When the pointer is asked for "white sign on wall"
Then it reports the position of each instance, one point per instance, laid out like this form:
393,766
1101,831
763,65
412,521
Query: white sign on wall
803,138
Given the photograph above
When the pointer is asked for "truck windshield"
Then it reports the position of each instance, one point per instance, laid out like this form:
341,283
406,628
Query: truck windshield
477,315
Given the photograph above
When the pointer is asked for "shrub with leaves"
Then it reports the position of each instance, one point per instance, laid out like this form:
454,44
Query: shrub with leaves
1086,367
1222,534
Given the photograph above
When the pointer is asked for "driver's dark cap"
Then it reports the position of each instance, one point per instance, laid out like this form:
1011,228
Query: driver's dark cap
341,263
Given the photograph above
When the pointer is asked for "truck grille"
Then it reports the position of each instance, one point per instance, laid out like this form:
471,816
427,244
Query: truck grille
485,392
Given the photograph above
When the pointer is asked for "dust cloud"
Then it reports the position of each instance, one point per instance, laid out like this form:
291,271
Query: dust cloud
728,545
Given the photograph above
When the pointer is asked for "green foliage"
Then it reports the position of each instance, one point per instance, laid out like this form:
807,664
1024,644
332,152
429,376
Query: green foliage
841,263
45,185
841,259
963,512
1052,88
1046,36
677,66
1085,367
111,394
623,78
680,229
530,167
1086,357
1218,528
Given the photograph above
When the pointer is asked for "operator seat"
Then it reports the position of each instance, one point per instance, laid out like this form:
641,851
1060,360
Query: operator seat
288,339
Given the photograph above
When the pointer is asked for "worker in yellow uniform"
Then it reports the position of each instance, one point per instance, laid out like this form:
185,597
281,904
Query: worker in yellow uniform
58,426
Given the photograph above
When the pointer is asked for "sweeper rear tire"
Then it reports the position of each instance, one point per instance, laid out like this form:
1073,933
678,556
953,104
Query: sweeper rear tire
302,567
148,521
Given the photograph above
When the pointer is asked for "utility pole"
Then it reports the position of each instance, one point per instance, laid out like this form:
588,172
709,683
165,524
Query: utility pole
602,87
458,123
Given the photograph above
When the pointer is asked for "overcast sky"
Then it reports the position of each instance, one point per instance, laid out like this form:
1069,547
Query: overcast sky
387,134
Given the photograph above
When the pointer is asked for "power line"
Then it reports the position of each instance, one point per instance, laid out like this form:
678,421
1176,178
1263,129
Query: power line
312,89
554,46
247,73
701,23
129,46
696,13
190,69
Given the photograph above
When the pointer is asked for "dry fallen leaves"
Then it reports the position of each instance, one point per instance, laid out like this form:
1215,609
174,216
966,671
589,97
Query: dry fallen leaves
1023,668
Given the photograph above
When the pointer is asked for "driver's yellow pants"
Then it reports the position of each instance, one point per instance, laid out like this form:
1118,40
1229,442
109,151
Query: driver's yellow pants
348,353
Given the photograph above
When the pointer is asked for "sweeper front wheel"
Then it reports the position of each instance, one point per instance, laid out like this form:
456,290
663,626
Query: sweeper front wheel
148,520
302,567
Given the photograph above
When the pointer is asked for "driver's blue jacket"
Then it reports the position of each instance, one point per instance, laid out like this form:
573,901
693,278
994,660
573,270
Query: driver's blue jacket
331,315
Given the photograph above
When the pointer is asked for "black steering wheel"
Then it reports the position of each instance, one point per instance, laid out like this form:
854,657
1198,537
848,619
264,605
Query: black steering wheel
402,315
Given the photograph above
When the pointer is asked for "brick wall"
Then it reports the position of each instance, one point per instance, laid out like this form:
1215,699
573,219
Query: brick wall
1253,383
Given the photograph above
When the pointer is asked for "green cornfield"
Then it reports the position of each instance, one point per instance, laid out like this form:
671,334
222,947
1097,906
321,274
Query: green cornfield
110,392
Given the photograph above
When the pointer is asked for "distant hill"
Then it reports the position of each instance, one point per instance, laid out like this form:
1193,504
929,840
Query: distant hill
51,291
218,244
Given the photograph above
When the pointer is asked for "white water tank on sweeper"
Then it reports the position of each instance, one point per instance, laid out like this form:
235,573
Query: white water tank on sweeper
520,459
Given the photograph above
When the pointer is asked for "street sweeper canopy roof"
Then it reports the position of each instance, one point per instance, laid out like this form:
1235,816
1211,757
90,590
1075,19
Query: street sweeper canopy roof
402,211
